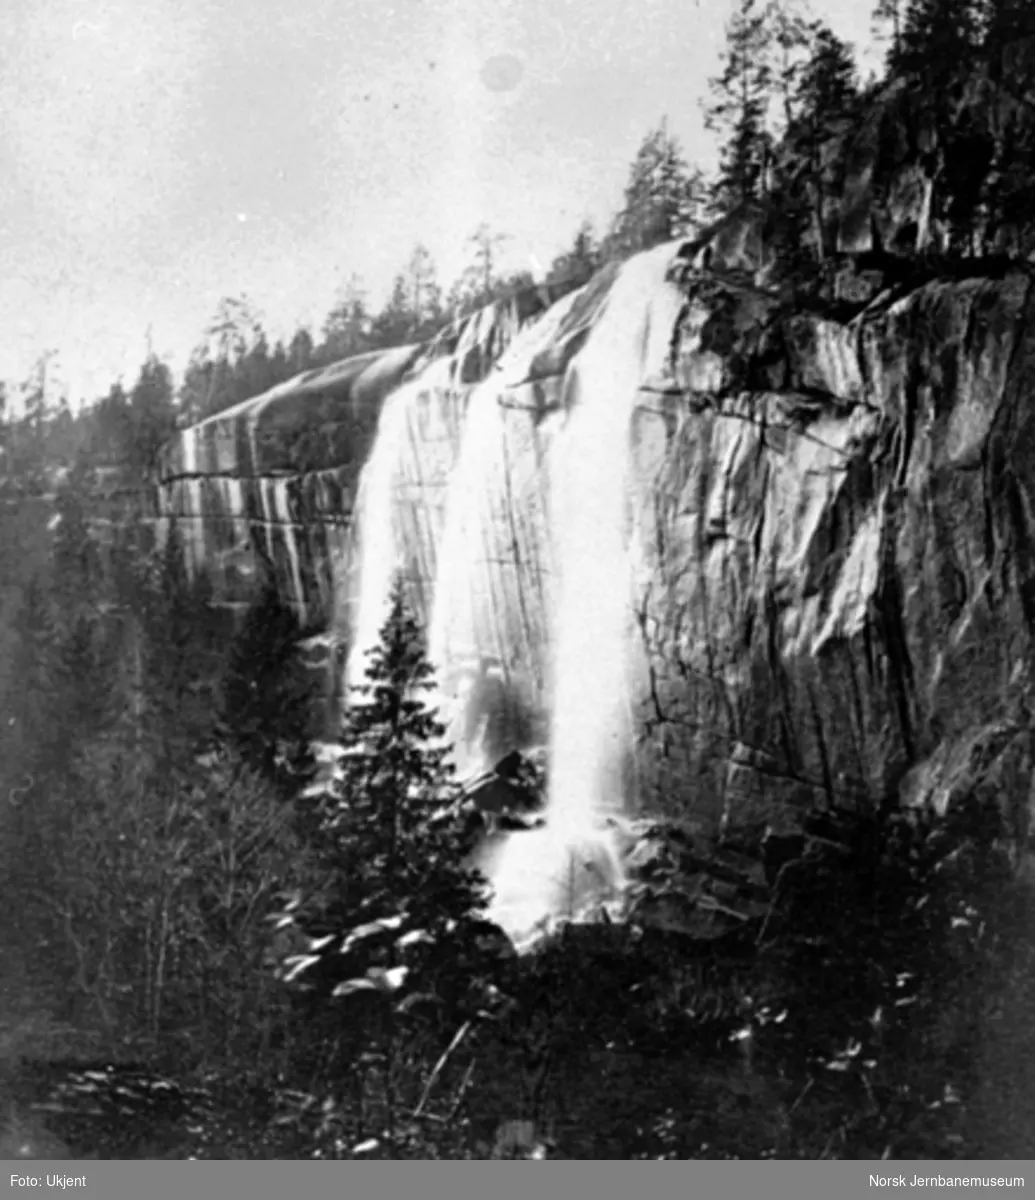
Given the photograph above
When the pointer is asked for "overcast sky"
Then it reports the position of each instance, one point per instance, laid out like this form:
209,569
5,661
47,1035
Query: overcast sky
156,155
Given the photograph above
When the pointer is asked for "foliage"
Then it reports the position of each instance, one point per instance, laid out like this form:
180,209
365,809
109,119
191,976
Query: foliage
580,261
663,198
347,328
144,869
739,106
813,156
395,831
266,700
388,931
887,26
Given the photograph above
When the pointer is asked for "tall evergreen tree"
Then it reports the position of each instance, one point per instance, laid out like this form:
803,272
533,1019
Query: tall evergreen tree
395,833
481,281
939,39
579,262
395,324
827,86
663,197
425,293
266,698
182,650
739,107
939,54
346,330
791,34
152,415
1008,52
886,24
300,352
32,685
826,98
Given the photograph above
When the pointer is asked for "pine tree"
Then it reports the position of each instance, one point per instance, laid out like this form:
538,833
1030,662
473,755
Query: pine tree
346,330
738,110
939,40
182,652
425,293
1008,49
266,700
396,323
663,197
33,694
481,282
792,46
152,415
886,25
827,87
395,833
826,98
300,352
578,264
939,54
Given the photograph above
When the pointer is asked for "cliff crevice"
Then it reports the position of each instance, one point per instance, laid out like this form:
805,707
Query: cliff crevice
830,517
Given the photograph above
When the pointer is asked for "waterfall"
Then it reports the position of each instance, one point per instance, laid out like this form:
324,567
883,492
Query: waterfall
573,861
376,550
456,643
465,639
567,509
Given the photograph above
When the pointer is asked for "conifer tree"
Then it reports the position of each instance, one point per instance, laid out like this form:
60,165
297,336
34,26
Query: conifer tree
827,87
939,39
346,330
33,690
482,281
826,96
265,697
886,24
580,261
738,110
939,54
1008,51
663,197
152,414
395,324
181,652
792,47
395,834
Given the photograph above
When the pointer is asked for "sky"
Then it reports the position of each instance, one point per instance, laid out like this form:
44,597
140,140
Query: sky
157,155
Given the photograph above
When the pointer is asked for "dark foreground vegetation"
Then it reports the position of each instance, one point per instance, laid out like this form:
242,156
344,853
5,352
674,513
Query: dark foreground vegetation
212,949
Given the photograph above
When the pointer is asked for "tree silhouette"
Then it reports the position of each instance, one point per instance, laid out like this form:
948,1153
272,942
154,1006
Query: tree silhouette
739,106
663,197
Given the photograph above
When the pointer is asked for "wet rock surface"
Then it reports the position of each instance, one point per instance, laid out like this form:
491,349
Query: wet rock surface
830,525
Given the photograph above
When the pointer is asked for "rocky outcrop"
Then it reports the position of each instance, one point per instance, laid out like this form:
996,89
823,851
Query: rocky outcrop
831,520
270,485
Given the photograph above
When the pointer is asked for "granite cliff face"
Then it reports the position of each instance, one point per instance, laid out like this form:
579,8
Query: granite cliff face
827,526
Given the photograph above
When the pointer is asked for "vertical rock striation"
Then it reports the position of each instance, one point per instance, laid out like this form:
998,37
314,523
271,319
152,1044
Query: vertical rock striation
829,526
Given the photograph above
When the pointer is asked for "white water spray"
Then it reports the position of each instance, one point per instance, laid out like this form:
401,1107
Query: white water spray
465,625
375,544
573,862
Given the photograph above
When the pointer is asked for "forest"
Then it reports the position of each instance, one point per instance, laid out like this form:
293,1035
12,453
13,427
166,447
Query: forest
217,947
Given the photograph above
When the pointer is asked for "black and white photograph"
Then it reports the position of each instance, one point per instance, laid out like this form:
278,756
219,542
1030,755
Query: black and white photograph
517,585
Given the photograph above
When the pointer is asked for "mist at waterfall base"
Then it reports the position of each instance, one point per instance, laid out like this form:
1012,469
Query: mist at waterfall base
570,865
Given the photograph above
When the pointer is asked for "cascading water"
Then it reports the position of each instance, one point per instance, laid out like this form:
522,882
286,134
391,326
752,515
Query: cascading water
483,555
465,634
397,485
375,548
554,872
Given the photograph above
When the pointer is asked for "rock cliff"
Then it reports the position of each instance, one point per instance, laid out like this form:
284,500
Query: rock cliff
829,520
